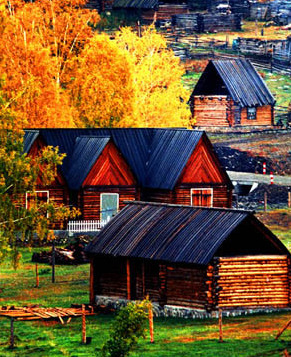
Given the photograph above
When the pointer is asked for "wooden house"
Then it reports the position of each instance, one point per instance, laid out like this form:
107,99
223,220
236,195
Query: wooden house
104,167
187,256
231,93
57,191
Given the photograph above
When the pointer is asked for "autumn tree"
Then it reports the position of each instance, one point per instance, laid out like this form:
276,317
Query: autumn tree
102,90
160,99
38,41
18,175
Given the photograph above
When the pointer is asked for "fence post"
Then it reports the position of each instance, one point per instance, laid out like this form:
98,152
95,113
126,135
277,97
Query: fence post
220,325
83,324
53,262
11,333
36,276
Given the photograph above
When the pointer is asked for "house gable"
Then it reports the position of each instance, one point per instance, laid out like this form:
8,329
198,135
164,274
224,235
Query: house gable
37,146
110,169
203,167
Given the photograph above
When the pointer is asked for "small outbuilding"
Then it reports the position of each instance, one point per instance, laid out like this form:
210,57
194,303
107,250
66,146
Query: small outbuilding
194,257
231,93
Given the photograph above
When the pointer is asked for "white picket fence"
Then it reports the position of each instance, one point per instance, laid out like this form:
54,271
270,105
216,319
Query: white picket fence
86,226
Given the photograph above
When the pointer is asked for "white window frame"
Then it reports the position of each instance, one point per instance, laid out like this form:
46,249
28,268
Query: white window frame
111,194
37,191
202,189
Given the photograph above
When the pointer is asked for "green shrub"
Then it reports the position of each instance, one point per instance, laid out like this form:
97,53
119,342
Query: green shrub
126,329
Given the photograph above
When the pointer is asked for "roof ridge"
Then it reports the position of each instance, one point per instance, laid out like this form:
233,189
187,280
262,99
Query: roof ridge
189,206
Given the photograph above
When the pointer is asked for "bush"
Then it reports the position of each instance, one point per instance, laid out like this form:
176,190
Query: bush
126,329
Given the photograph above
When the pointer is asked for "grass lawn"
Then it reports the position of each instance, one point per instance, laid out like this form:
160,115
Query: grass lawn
244,336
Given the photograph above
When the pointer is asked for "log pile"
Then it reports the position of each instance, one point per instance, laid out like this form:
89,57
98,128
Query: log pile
251,281
207,22
71,255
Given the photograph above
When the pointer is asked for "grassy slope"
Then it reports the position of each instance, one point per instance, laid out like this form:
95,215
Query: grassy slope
245,336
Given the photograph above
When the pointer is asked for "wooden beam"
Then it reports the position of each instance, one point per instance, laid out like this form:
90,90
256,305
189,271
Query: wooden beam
92,292
128,279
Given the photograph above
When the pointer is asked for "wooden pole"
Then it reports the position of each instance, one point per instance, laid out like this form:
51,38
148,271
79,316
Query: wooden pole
151,324
289,198
36,276
143,280
83,324
128,279
11,333
265,200
53,262
283,329
220,325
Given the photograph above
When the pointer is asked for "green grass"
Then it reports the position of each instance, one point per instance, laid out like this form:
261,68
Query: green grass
244,336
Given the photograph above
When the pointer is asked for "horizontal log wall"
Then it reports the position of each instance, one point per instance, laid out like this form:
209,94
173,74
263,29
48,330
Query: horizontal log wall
211,111
186,286
221,195
156,195
252,281
263,117
109,277
89,199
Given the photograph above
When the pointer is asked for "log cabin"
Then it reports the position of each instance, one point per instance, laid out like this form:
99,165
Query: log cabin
195,257
231,93
104,167
57,191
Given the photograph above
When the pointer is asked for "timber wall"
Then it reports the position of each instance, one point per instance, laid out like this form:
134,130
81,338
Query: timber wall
264,116
89,199
221,195
212,111
252,281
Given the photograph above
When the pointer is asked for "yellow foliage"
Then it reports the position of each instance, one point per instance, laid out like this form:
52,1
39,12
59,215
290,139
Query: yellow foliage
102,88
37,42
160,99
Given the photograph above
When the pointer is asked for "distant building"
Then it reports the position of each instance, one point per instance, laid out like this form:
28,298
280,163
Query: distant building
231,93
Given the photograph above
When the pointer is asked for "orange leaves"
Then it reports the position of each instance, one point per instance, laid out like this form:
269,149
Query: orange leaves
38,41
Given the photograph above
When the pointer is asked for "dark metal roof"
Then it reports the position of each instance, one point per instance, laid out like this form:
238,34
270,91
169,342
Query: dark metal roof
137,4
29,138
156,156
87,149
170,151
243,82
167,232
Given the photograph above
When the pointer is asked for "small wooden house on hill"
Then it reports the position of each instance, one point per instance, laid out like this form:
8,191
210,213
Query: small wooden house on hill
190,256
104,167
231,93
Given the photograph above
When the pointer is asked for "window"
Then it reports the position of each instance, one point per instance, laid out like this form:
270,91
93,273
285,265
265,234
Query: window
36,198
202,197
109,205
252,113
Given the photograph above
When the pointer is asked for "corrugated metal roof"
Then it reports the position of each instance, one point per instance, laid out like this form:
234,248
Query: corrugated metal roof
167,232
87,149
137,4
29,138
169,153
156,156
243,82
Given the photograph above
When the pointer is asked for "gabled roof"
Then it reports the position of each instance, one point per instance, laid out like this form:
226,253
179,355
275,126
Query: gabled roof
157,157
136,4
242,81
87,149
172,233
